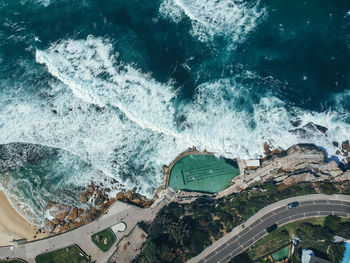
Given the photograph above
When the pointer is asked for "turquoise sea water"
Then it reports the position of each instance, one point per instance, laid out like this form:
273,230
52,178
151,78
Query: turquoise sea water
120,87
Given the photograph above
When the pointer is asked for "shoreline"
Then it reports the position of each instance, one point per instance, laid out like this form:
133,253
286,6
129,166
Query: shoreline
13,225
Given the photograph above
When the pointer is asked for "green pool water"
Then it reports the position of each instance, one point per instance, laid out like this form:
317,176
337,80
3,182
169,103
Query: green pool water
203,173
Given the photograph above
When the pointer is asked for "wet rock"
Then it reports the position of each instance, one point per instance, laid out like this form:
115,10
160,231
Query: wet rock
59,211
64,229
90,190
267,148
309,129
111,201
119,196
51,204
83,198
134,198
73,214
80,211
94,213
137,201
345,146
98,201
57,230
336,144
49,226
128,195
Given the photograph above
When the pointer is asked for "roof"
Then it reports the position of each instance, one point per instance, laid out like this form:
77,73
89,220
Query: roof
306,256
252,163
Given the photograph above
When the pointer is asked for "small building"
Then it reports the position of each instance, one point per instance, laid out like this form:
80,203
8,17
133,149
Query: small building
306,255
252,164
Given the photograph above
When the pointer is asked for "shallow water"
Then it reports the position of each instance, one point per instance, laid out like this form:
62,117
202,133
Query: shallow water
123,86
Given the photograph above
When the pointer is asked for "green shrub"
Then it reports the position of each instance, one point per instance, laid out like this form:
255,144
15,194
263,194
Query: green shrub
336,252
328,189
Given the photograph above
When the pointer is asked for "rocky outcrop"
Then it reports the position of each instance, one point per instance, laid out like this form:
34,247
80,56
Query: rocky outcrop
73,214
300,163
134,198
83,198
59,211
66,218
48,226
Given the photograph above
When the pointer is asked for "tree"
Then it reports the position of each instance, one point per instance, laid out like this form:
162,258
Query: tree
150,251
336,252
241,258
328,188
332,222
306,230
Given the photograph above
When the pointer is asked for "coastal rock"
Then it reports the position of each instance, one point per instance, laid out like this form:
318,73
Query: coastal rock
73,214
90,190
345,146
299,163
267,148
128,195
59,211
134,198
309,129
49,226
80,211
94,213
83,198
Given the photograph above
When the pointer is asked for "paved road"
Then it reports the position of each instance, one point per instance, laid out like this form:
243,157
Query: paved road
243,237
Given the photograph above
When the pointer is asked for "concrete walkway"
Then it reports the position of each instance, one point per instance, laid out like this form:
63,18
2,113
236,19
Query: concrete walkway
128,214
255,219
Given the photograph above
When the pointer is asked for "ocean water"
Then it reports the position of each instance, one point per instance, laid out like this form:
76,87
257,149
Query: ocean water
109,91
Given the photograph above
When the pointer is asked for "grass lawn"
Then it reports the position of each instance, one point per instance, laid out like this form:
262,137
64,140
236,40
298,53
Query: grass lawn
65,255
104,239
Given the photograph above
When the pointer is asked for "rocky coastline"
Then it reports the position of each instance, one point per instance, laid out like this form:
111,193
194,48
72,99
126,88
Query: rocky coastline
65,218
301,163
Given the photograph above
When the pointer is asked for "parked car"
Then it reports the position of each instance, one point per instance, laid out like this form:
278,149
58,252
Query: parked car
294,204
271,228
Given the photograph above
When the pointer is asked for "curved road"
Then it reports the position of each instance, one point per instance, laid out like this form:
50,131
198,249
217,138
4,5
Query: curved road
241,237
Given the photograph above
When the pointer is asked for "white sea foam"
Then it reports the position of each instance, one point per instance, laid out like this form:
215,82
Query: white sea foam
89,68
132,132
225,18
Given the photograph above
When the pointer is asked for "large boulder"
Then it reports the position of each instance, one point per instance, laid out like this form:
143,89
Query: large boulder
49,226
59,211
90,190
73,214
345,146
83,198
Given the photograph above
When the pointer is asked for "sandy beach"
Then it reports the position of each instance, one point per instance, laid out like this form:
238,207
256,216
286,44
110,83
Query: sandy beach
13,225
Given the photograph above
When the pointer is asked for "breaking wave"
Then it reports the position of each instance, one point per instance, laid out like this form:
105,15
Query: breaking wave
233,20
125,125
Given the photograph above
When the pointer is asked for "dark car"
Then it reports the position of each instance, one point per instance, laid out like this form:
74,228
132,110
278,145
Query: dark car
294,204
271,228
